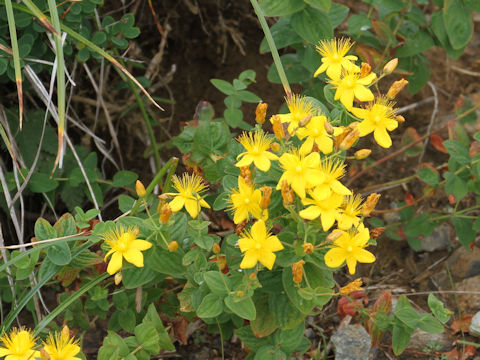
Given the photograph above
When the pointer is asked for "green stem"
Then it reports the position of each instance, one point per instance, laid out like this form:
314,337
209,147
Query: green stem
273,48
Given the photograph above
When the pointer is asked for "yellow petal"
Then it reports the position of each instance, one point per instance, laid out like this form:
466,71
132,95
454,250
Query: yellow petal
334,257
346,99
320,70
363,94
272,243
262,163
134,257
246,243
69,351
360,113
351,263
310,213
365,128
312,160
240,215
298,185
249,260
367,80
267,258
328,219
259,231
382,138
204,204
334,71
4,352
177,203
193,207
339,188
364,256
325,145
115,263
306,146
140,245
245,161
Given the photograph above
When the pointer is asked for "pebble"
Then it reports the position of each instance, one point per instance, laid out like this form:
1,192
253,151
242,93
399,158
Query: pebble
439,239
352,343
464,263
421,339
469,303
474,328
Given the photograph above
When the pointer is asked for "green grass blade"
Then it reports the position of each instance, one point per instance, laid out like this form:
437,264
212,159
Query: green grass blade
16,58
35,11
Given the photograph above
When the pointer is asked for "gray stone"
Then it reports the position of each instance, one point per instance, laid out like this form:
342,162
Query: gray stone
352,343
439,239
464,263
474,328
469,303
421,339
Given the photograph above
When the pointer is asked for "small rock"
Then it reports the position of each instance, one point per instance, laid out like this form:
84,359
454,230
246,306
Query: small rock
439,239
474,328
441,280
421,339
352,343
469,303
464,263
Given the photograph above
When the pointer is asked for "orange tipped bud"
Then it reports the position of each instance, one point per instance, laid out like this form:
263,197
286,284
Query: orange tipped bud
222,263
44,354
390,66
297,271
287,193
165,213
118,278
246,174
253,276
328,128
240,227
396,87
334,235
308,248
216,248
278,129
141,192
362,154
240,293
275,147
303,122
349,140
353,286
261,112
173,246
370,204
400,119
365,70
376,232
266,194
65,333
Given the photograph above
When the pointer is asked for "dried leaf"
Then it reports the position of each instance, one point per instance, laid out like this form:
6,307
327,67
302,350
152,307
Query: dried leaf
461,324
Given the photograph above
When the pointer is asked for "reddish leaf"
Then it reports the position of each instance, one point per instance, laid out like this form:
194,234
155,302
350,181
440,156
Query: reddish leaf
470,351
474,148
453,354
383,303
425,165
409,199
437,143
180,330
226,224
409,136
461,324
451,199
347,306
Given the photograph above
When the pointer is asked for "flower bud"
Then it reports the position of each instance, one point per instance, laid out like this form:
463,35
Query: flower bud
278,129
334,235
246,174
308,248
141,192
370,204
353,286
365,70
253,276
396,87
287,193
65,333
222,263
275,147
173,246
261,112
400,119
118,278
376,232
362,154
266,194
216,248
303,122
165,213
44,354
297,271
390,66
240,227
240,293
349,140
328,128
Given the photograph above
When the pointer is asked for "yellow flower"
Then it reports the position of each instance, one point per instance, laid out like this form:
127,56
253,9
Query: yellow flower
124,244
332,171
350,247
299,108
18,345
352,210
335,58
377,118
245,200
61,347
189,188
315,132
350,85
327,208
257,146
259,245
301,172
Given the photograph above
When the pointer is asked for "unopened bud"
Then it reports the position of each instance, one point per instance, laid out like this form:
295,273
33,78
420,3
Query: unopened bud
222,263
400,119
396,87
65,333
141,192
253,276
349,140
118,278
365,70
278,129
362,154
353,286
303,122
297,271
287,193
308,248
216,248
173,246
44,354
376,232
266,194
339,138
334,235
165,213
275,147
240,227
261,112
390,66
240,293
246,174
370,204
328,128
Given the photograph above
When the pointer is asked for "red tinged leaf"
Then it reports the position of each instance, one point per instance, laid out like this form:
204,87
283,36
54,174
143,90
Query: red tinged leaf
383,303
426,165
470,351
180,330
437,143
411,136
453,354
461,324
474,148
451,199
409,199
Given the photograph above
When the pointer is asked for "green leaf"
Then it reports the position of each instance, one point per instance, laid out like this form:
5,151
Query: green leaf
458,151
42,183
438,27
429,176
281,7
406,313
458,23
221,202
289,340
337,14
224,86
124,178
312,25
464,230
250,340
65,226
284,313
233,117
147,336
323,5
438,309
218,283
151,317
43,230
400,337
455,185
421,75
166,262
283,36
305,306
294,71
416,44
210,307
127,320
264,324
248,96
210,137
245,308
270,352
59,253
473,5
134,277
429,324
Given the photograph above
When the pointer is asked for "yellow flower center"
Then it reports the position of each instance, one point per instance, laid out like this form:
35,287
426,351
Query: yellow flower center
257,246
315,131
247,201
298,169
377,119
349,83
349,249
335,57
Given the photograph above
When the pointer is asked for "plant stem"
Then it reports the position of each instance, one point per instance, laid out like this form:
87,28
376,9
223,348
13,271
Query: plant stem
273,48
